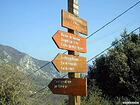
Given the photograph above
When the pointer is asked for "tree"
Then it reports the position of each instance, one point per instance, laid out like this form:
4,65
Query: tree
16,88
13,91
117,72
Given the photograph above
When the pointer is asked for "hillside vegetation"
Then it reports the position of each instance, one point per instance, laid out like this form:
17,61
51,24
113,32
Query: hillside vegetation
13,91
25,82
115,76
112,79
17,89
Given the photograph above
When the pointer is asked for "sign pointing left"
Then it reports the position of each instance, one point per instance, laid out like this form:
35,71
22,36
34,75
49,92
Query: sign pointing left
69,41
70,63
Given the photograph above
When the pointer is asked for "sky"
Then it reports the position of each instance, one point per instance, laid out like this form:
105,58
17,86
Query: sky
28,25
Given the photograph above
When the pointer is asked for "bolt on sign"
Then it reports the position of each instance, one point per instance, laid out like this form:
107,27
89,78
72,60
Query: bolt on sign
73,22
67,86
68,41
70,63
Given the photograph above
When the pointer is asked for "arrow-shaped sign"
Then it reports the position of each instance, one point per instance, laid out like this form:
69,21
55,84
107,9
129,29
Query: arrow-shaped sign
68,41
75,86
70,63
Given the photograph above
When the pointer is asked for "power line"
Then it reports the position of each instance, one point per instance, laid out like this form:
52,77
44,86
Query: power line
44,88
38,91
101,29
91,58
110,46
114,19
36,71
116,43
111,21
39,68
99,54
95,33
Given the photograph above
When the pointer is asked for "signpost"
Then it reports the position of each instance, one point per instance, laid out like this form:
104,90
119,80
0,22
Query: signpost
70,63
69,86
68,41
72,22
74,100
74,86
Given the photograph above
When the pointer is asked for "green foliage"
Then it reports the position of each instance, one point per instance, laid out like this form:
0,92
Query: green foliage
96,98
16,88
117,72
13,91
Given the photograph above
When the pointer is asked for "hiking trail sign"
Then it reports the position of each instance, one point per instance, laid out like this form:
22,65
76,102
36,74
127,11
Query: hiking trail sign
73,22
68,86
68,41
70,63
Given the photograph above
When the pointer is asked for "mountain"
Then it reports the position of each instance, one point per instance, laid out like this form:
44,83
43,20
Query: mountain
29,65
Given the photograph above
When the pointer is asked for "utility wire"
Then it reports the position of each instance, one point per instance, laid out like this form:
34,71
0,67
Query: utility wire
39,69
38,91
95,33
111,21
114,19
111,46
101,29
91,58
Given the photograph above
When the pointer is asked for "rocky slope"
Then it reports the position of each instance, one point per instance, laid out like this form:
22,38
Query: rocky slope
28,65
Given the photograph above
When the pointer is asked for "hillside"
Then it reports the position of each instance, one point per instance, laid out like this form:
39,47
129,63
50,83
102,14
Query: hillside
28,65
18,64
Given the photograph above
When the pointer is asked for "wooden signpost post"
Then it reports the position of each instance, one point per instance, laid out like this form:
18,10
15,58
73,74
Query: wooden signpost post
74,86
66,86
73,9
68,41
70,63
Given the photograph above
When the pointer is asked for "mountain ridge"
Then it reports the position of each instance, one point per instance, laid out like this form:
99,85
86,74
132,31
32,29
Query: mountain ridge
28,65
